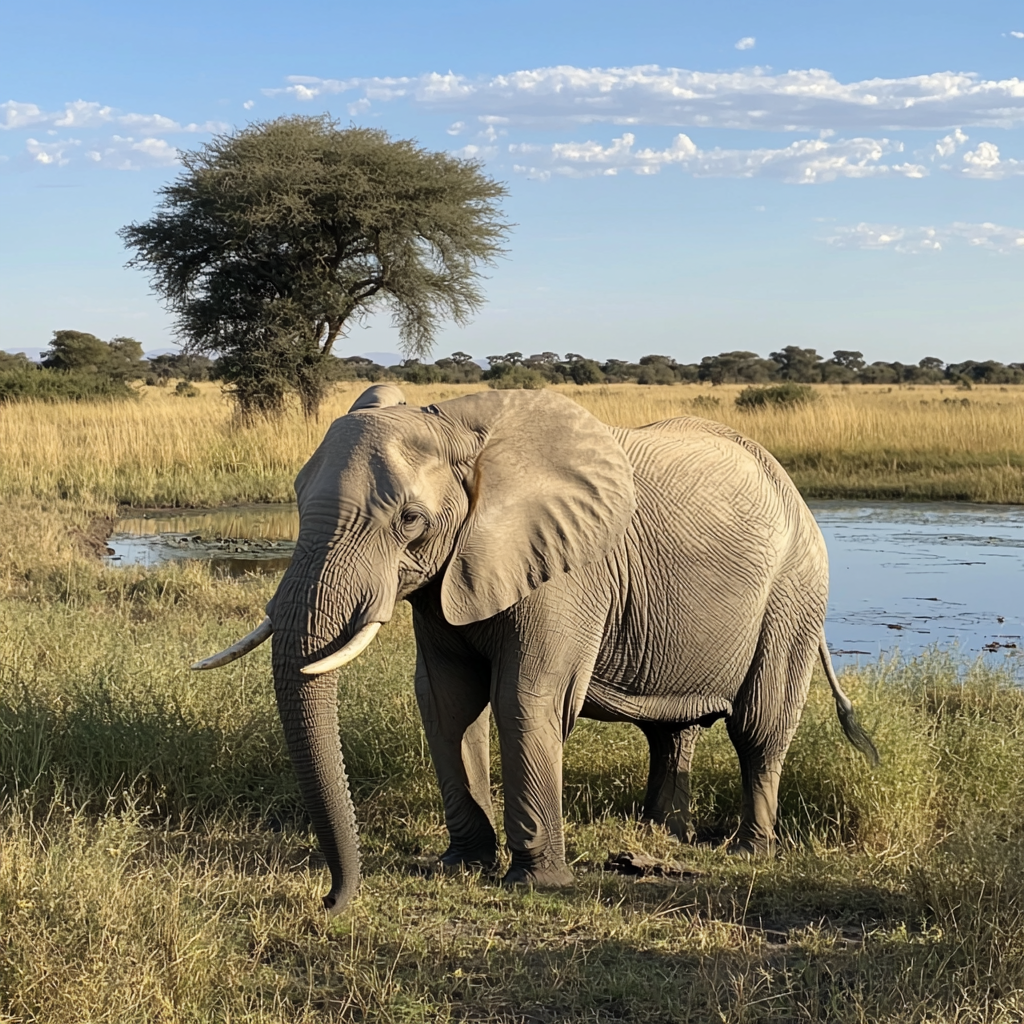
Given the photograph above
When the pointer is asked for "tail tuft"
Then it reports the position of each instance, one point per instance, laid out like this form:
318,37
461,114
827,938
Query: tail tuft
844,709
855,732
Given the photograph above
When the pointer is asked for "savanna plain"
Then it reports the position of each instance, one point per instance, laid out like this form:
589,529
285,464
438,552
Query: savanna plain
155,862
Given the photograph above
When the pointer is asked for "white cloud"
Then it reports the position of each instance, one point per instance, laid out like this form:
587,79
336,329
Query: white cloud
915,240
129,154
746,43
948,146
82,114
139,141
472,152
808,161
51,153
456,128
984,162
1017,35
248,104
886,236
806,100
20,115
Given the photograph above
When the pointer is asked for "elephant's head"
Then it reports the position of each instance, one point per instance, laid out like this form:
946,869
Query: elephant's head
490,494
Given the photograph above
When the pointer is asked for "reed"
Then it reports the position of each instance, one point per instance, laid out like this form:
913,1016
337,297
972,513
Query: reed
917,443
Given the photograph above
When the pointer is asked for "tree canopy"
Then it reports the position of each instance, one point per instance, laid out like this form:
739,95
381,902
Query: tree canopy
275,237
81,352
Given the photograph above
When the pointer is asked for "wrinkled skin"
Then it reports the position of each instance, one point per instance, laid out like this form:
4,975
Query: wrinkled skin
666,576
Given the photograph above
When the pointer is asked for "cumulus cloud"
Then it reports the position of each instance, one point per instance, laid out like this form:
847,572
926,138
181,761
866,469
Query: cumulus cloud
806,162
20,115
86,114
985,162
807,100
129,154
914,240
472,152
1017,35
138,143
51,153
948,146
746,43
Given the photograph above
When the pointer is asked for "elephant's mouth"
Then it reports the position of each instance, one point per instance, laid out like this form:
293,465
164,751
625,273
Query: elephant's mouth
263,631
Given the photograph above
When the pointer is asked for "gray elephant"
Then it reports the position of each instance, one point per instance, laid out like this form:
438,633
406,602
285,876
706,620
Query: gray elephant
666,576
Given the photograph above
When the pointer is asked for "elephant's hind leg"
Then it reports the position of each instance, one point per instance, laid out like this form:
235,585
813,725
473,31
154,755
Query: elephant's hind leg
668,781
764,718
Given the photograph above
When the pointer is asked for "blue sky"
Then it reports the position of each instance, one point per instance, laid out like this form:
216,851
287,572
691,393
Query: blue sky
685,178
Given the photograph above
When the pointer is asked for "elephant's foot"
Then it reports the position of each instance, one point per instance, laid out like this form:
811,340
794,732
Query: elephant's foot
538,872
677,826
457,858
750,843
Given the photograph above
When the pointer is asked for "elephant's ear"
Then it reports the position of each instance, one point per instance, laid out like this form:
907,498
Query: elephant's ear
550,488
380,396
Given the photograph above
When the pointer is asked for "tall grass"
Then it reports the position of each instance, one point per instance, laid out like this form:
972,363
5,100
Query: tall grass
156,865
155,860
853,442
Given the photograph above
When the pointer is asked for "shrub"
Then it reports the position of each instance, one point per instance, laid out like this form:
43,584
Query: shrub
705,403
516,377
58,386
788,394
186,389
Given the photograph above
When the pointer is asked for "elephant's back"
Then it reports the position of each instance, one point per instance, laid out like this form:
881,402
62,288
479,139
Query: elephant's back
689,458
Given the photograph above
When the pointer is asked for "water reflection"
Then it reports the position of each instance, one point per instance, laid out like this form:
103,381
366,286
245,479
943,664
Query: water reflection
904,576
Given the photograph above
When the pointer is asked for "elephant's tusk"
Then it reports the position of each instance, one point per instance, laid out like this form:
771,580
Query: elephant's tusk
350,651
244,646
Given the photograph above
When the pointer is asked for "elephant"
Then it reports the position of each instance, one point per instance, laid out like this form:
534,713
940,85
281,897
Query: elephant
667,576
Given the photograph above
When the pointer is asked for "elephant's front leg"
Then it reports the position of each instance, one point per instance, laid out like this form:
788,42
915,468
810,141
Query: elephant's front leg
531,767
453,695
668,782
540,682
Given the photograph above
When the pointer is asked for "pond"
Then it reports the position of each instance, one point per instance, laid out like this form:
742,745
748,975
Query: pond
904,576
237,540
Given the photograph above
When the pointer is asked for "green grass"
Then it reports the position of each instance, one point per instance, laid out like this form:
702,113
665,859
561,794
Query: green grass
155,864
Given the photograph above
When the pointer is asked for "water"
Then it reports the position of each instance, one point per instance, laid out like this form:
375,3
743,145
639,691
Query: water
907,576
237,540
904,576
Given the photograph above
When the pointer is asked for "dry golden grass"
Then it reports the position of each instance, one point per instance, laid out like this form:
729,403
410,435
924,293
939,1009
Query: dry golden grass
920,443
860,442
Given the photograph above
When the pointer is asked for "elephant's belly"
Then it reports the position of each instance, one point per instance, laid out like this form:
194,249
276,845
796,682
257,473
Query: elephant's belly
608,705
667,685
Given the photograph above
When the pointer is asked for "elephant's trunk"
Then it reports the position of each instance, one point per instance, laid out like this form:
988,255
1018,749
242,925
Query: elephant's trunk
308,707
324,602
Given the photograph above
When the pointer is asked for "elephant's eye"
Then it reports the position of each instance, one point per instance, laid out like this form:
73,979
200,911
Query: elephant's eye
413,523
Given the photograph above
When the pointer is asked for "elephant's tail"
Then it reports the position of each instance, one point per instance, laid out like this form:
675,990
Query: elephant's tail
844,708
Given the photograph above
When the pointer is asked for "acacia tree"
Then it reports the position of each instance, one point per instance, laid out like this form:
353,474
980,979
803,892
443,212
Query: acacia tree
275,238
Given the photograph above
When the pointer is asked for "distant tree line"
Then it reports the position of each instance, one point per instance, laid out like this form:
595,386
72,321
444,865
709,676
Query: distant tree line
78,364
792,363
